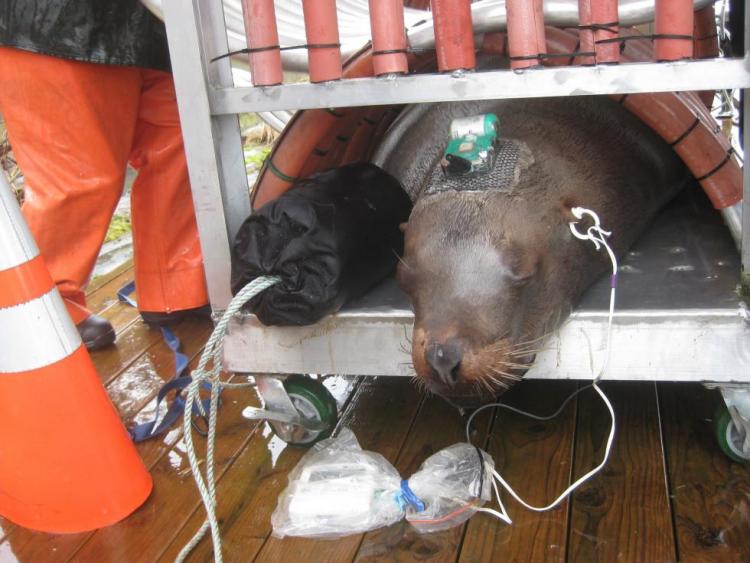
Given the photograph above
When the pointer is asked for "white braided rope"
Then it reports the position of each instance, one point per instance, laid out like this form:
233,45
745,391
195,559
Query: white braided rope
212,353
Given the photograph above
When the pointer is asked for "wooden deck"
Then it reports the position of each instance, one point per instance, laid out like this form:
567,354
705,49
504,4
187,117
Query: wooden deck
667,494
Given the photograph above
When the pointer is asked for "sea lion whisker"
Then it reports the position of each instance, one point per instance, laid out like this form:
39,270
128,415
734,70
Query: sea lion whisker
515,366
401,259
487,384
512,376
532,340
498,382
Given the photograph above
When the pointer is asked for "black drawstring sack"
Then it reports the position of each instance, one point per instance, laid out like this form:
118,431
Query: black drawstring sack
330,238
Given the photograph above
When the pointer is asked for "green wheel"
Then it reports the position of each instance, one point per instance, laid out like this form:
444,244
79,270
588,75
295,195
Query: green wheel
727,436
314,402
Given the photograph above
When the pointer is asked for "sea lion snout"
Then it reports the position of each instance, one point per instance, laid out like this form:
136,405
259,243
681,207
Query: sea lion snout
444,359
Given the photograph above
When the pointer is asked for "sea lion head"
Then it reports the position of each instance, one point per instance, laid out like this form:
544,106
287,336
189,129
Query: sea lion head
481,290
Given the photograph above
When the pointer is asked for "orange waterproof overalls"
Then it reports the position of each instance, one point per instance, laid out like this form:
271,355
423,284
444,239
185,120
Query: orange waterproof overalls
74,126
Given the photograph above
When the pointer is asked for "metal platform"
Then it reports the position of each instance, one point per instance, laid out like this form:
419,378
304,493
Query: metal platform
678,317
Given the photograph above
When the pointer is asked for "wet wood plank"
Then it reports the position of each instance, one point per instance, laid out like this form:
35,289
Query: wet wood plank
136,339
623,513
437,426
105,295
137,385
144,534
710,493
247,493
26,545
100,281
536,459
380,415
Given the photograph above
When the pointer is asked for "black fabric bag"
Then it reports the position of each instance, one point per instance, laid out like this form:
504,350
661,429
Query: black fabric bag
330,238
118,32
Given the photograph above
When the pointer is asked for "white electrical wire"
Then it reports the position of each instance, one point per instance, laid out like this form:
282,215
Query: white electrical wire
598,237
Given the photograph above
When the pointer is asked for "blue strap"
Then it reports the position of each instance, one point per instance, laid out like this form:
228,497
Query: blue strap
123,296
407,497
146,430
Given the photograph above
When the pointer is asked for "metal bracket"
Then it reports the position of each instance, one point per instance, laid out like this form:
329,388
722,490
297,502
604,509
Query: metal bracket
279,408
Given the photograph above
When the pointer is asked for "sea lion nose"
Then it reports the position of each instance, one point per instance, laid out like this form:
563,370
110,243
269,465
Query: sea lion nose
445,360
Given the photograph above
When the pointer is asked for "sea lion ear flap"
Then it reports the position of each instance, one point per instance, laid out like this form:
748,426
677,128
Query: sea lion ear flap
402,227
522,264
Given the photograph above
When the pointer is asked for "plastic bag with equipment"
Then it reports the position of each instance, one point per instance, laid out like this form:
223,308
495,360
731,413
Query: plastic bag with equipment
452,484
330,238
339,489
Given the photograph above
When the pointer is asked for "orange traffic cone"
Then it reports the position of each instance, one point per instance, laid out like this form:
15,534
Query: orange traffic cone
66,461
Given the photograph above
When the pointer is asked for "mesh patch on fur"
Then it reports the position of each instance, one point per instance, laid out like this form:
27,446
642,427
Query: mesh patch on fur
501,177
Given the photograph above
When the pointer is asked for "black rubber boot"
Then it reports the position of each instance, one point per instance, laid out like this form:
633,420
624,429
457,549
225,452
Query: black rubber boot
96,332
154,318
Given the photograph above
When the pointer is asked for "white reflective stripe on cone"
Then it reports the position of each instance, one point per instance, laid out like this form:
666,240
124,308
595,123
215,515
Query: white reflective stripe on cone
16,243
36,334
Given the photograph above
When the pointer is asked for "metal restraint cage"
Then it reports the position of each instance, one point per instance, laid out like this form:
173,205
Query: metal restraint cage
679,314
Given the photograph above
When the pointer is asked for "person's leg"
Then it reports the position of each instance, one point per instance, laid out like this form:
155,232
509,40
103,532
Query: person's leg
71,126
168,262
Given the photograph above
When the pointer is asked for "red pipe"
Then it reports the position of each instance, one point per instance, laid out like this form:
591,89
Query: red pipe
705,42
705,38
604,14
526,40
495,43
671,115
586,35
261,33
388,37
323,47
674,17
454,35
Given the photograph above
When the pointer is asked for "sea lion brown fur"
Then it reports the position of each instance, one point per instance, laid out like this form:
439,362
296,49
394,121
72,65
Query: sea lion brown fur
491,272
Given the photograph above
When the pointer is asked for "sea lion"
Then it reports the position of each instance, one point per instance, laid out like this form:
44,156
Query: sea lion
491,270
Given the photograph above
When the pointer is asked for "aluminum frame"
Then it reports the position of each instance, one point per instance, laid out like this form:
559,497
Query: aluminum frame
684,345
208,103
720,74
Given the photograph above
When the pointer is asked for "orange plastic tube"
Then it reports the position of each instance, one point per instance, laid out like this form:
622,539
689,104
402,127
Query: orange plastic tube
495,43
705,38
674,18
526,37
292,150
705,43
586,35
683,121
670,115
388,37
454,35
261,32
362,135
604,15
323,47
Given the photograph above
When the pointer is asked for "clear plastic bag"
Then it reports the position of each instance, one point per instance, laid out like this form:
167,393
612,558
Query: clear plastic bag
338,489
452,484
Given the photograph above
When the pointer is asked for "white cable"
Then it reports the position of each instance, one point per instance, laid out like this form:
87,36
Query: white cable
598,237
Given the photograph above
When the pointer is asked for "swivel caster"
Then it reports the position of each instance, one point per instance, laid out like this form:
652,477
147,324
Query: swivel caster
729,437
732,421
299,409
